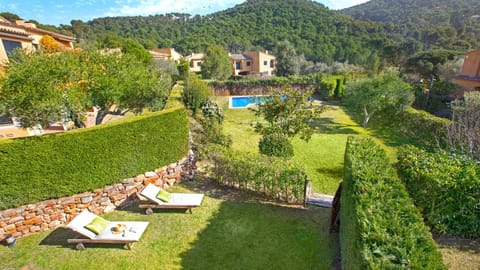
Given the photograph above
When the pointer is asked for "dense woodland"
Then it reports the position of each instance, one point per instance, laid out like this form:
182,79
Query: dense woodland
426,24
389,30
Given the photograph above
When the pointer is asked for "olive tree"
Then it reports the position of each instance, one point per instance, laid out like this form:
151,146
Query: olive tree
286,113
378,93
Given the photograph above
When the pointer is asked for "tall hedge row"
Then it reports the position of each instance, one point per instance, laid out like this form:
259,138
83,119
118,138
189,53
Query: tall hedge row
328,85
446,187
418,126
274,177
38,168
380,228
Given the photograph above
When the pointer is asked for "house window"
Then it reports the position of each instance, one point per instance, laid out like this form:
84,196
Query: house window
238,65
35,47
191,64
199,64
272,64
11,45
265,63
249,63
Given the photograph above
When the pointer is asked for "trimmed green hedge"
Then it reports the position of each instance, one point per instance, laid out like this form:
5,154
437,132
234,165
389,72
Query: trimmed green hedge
446,187
380,228
418,126
274,177
328,85
39,168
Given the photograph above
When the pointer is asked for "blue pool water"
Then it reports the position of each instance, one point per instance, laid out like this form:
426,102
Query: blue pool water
244,101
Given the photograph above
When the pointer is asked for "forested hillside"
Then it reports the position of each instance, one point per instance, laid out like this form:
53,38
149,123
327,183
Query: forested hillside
317,32
386,30
426,24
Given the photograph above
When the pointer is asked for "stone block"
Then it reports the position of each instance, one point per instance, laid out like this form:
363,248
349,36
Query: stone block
29,215
56,217
150,174
54,224
108,189
87,199
44,226
149,181
109,209
16,219
128,181
9,227
35,229
68,200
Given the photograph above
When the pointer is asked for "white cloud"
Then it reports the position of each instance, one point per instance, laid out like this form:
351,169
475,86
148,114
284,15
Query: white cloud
340,4
149,7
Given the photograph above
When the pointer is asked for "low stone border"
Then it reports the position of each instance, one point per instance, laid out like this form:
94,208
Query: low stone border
45,215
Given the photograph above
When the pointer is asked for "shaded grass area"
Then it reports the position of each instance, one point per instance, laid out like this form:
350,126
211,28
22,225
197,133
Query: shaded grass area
459,253
231,230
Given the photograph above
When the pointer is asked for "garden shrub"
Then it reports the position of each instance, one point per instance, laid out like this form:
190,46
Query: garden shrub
195,93
34,169
274,177
380,228
446,187
275,144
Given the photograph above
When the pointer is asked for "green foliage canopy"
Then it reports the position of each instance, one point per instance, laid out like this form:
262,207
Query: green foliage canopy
375,94
287,112
286,62
40,89
217,64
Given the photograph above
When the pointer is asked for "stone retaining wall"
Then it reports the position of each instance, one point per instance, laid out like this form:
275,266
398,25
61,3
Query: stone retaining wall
45,215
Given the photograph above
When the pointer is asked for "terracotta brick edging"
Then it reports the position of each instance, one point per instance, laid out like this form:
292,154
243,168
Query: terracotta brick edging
28,219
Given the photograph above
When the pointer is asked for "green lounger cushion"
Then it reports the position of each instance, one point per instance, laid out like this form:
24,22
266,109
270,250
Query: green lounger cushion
98,225
164,196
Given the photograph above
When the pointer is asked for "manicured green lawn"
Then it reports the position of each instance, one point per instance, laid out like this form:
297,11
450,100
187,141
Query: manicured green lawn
231,230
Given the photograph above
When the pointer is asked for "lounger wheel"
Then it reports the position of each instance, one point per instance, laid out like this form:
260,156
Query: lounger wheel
129,246
80,246
149,211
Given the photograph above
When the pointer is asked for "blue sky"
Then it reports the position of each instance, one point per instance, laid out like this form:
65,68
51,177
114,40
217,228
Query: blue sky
62,12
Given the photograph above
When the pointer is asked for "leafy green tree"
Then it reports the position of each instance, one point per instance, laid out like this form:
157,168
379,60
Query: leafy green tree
375,94
217,64
287,61
428,64
195,93
287,113
41,88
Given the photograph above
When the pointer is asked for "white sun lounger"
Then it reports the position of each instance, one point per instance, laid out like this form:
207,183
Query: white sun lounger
178,200
130,235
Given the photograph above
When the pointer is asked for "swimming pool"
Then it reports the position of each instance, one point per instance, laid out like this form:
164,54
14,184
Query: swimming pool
242,102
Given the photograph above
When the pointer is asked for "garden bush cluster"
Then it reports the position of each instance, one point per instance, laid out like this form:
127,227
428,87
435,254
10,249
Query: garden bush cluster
39,168
380,228
446,187
274,177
